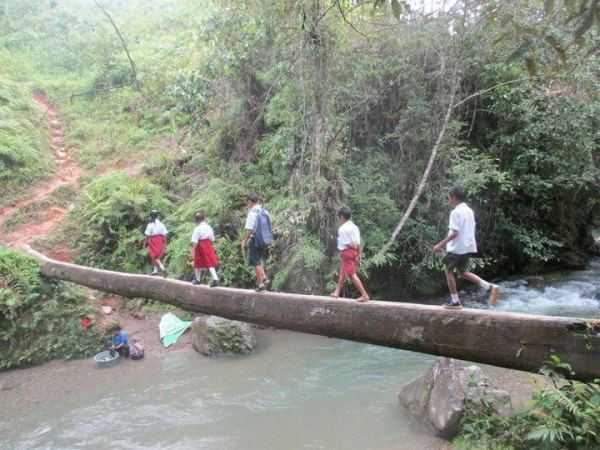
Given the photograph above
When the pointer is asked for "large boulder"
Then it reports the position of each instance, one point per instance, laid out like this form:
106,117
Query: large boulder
440,397
212,335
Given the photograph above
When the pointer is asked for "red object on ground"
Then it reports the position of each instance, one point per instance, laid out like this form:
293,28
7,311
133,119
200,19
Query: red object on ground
205,256
156,246
86,323
349,261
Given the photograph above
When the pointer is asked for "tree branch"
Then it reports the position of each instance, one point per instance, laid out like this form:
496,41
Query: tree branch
123,43
424,178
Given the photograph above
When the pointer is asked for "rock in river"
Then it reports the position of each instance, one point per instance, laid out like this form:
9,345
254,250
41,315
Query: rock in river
212,335
440,397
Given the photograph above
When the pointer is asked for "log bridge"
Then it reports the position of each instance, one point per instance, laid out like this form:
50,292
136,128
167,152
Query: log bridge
514,341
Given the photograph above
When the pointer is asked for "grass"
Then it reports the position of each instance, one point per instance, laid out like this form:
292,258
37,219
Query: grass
61,197
113,129
24,150
461,444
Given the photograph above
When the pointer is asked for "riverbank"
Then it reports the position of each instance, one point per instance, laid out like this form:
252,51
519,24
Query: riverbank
351,386
296,391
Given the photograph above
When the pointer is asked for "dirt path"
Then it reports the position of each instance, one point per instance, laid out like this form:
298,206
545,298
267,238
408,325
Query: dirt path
67,173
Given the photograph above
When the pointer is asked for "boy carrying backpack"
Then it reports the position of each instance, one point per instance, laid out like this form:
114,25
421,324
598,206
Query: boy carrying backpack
258,238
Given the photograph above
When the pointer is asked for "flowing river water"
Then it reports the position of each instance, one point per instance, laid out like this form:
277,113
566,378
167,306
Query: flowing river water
296,392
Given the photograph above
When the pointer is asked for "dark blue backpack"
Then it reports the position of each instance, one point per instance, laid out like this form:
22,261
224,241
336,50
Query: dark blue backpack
263,233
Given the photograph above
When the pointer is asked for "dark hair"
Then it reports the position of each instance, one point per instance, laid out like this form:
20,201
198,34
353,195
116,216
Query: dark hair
116,328
153,214
458,192
345,212
199,216
252,197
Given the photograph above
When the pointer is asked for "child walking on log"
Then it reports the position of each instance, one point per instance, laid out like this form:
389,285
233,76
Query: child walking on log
156,241
460,244
348,243
203,252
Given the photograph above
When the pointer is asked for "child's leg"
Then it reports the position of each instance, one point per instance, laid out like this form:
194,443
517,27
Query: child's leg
340,284
213,273
260,274
451,280
494,290
197,274
470,276
159,264
358,284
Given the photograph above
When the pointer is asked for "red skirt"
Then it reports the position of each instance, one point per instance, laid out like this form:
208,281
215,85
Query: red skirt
349,261
156,246
205,256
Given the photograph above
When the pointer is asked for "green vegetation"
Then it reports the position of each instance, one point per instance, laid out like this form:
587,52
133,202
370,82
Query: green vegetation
563,416
40,318
24,153
111,216
319,104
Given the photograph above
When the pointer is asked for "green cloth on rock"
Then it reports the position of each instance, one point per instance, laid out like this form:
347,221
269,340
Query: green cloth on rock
171,328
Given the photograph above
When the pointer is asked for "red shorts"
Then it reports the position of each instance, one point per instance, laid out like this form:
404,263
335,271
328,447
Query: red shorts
156,246
349,264
205,256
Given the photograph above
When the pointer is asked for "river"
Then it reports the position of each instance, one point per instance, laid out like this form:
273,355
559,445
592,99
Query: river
296,392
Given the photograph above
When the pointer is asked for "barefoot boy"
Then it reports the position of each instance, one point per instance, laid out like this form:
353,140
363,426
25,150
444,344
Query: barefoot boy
156,241
203,252
460,244
350,253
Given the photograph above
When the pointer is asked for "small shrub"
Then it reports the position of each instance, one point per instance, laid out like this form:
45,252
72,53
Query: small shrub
111,218
564,416
39,317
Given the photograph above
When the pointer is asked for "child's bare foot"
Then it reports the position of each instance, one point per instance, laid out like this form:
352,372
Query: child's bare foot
363,299
335,294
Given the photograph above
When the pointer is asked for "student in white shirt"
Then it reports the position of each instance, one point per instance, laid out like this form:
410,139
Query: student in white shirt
348,244
203,252
156,242
257,254
460,244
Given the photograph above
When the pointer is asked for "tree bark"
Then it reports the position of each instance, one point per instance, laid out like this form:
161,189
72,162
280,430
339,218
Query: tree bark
136,83
515,341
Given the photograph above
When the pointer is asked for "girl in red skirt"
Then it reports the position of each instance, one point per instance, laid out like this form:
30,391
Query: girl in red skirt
203,252
350,250
156,241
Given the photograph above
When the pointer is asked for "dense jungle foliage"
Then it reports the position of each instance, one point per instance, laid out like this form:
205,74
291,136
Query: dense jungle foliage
40,318
318,104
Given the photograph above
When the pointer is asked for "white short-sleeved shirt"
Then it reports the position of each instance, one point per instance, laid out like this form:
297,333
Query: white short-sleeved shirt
348,234
201,232
155,228
252,217
462,220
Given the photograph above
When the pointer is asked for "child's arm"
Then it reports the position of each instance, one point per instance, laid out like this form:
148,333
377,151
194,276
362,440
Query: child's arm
440,245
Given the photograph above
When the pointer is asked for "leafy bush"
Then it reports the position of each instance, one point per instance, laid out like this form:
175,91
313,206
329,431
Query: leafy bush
564,416
40,318
111,217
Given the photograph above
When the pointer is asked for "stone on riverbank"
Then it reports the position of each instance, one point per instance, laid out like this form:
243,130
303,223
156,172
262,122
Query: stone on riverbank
440,397
212,335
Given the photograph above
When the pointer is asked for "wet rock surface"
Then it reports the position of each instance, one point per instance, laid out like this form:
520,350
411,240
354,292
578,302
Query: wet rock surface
440,397
212,335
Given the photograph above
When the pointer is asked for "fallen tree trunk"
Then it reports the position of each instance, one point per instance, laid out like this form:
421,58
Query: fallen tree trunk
515,341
